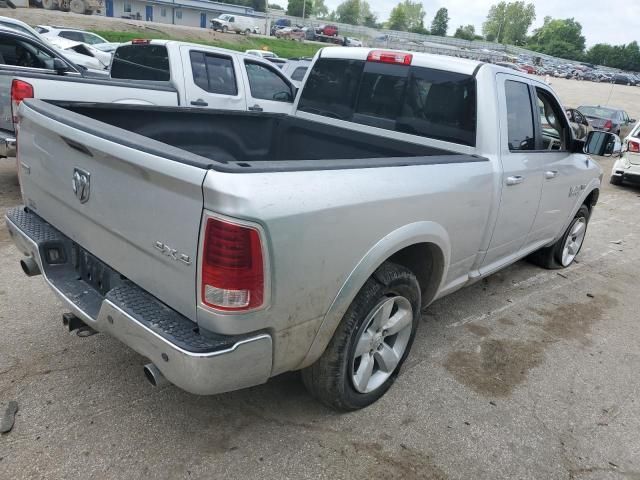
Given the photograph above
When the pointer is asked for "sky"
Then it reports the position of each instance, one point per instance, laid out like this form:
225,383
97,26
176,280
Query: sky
601,23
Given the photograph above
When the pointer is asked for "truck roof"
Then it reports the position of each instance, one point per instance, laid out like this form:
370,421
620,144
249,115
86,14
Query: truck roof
439,62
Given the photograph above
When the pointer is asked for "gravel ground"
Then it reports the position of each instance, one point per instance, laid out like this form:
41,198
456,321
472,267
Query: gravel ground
529,374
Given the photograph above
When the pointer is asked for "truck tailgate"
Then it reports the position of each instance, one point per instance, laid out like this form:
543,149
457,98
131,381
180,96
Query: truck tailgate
140,212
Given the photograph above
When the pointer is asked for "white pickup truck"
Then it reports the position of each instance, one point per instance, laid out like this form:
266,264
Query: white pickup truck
229,247
145,72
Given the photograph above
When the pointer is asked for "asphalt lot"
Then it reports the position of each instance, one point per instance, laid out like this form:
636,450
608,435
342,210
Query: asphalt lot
529,374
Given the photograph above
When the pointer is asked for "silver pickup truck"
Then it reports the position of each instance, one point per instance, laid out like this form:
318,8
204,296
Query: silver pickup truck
229,247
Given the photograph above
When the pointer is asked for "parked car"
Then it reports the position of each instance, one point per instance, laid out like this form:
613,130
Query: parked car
266,54
81,59
76,35
328,30
235,23
530,69
627,167
102,59
291,33
151,72
608,119
278,24
296,69
353,42
579,124
621,79
253,245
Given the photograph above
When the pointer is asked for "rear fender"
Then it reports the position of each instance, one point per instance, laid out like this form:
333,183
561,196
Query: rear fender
414,233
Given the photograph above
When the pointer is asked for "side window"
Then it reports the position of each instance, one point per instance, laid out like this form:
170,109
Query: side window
19,53
266,84
519,116
553,128
91,39
214,73
70,35
298,73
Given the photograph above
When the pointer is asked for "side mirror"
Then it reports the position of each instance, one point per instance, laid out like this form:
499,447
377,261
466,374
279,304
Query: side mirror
59,66
283,97
603,144
632,120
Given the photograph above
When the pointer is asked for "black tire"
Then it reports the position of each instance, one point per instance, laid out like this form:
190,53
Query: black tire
224,29
551,257
329,379
614,180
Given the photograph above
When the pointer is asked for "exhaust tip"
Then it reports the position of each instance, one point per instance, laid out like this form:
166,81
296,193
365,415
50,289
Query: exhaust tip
29,266
154,375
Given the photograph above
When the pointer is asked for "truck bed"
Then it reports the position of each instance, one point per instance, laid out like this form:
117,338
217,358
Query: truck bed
242,142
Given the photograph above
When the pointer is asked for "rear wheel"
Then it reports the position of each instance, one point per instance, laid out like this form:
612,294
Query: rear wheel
372,341
562,253
50,4
77,6
247,32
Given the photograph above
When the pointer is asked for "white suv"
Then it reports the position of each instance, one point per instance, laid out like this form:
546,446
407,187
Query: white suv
70,34
627,167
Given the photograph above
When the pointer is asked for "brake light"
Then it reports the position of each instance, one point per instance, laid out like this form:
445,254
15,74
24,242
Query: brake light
140,41
19,91
382,56
608,124
634,147
232,266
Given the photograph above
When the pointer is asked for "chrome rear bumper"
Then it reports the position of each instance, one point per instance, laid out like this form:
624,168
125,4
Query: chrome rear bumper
198,362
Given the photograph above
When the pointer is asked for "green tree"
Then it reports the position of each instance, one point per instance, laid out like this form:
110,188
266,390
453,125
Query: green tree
440,23
320,9
367,17
509,22
625,57
294,8
407,16
355,12
275,6
349,12
468,32
560,38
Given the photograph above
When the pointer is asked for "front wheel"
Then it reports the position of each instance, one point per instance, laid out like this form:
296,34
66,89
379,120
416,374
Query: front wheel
371,343
224,29
562,253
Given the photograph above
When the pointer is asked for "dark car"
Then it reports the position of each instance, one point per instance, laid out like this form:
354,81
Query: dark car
608,119
622,79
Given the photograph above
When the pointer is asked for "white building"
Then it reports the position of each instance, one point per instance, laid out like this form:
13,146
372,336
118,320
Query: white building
192,13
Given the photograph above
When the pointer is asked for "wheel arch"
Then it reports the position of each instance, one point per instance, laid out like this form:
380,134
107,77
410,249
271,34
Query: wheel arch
422,247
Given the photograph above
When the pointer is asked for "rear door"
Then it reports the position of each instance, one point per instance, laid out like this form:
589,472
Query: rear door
141,210
268,89
211,79
522,172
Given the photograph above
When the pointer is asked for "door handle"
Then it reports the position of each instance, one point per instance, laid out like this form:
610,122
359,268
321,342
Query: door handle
550,174
256,108
515,180
199,103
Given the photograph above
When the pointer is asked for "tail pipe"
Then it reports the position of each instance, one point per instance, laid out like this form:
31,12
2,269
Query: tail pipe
30,267
154,375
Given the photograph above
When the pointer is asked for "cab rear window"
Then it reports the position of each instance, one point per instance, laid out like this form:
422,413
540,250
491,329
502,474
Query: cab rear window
141,62
415,100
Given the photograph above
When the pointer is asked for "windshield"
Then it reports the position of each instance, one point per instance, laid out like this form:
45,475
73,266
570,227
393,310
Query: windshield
224,17
598,112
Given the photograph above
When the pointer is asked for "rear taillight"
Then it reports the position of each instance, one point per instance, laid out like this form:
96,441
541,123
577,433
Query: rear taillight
634,147
382,56
607,125
232,266
19,91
